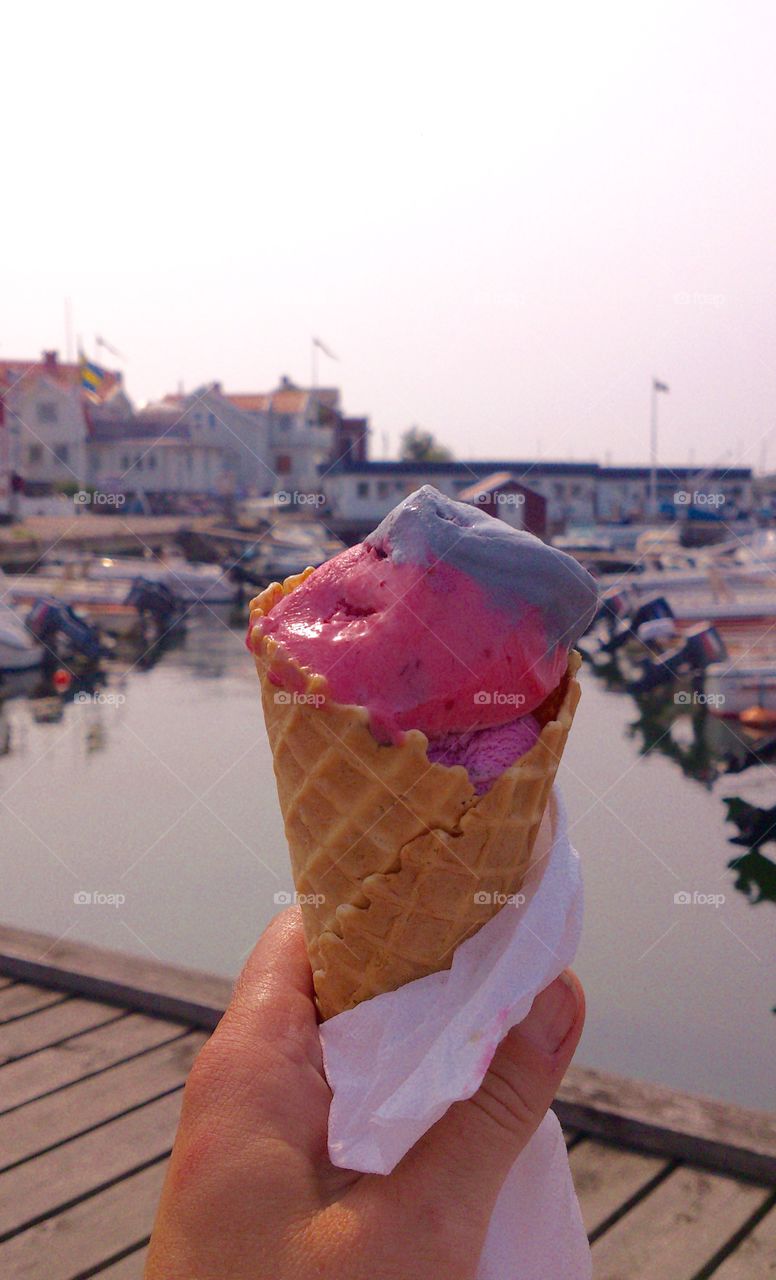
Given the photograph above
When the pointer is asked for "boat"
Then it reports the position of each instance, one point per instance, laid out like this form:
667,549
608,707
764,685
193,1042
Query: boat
290,546
18,650
736,686
119,608
192,582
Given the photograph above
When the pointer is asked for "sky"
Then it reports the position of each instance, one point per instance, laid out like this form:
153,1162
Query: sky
504,219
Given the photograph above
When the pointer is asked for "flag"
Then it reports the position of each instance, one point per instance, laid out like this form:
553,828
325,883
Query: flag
317,343
92,377
659,386
107,347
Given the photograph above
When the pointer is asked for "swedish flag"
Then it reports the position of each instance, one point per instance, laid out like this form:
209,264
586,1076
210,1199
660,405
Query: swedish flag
92,378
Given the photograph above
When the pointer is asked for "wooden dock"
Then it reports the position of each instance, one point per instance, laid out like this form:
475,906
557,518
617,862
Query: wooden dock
94,1051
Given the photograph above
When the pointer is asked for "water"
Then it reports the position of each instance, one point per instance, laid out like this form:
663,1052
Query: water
164,797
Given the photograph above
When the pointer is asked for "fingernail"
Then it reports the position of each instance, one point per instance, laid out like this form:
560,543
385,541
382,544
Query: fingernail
552,1015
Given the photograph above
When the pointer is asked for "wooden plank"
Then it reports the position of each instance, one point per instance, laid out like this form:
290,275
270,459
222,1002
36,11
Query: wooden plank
81,1238
677,1228
41,1186
58,1116
51,1025
133,982
717,1135
755,1258
129,1268
20,999
61,1064
606,1177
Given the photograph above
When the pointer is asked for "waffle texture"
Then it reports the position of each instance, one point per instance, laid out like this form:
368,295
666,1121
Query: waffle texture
396,861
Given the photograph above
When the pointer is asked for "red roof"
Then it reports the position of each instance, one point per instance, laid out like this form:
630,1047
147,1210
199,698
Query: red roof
251,402
67,375
284,400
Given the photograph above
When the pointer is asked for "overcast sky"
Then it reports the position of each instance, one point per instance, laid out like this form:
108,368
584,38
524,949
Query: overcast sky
503,218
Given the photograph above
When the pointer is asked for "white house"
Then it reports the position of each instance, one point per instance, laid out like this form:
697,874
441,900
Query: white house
143,465
360,493
44,421
299,429
624,493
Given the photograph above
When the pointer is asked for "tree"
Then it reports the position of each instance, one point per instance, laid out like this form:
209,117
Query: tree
418,445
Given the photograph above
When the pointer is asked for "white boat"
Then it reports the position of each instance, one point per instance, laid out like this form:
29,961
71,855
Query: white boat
18,650
190,582
731,688
290,547
726,566
112,606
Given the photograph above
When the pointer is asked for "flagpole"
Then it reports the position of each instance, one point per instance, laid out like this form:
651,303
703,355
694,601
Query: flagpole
653,451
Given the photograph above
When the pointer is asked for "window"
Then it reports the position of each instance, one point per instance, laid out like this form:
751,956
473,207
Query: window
211,419
152,462
282,464
383,488
558,489
35,453
47,411
139,464
398,486
576,491
125,461
61,452
362,489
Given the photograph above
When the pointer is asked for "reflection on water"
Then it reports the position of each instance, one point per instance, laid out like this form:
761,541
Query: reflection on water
153,784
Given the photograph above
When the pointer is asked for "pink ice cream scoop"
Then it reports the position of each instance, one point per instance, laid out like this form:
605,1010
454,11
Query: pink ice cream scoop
444,620
485,753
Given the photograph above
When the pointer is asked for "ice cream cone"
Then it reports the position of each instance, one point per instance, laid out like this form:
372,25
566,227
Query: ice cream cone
396,861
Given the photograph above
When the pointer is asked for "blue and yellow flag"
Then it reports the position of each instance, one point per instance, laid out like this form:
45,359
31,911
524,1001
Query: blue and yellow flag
92,377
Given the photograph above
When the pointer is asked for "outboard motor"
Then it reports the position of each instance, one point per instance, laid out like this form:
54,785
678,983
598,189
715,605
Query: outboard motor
657,607
154,600
700,646
614,605
60,629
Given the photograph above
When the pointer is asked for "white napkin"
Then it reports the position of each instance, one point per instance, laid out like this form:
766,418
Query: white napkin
396,1063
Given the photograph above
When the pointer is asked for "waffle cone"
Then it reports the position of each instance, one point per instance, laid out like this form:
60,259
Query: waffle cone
396,861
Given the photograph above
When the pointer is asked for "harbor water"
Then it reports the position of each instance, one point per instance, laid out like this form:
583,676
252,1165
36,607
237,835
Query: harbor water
144,818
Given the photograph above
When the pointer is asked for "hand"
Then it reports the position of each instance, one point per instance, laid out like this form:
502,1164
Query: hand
250,1192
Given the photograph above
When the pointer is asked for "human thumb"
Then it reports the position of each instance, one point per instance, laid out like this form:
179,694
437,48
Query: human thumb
469,1152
